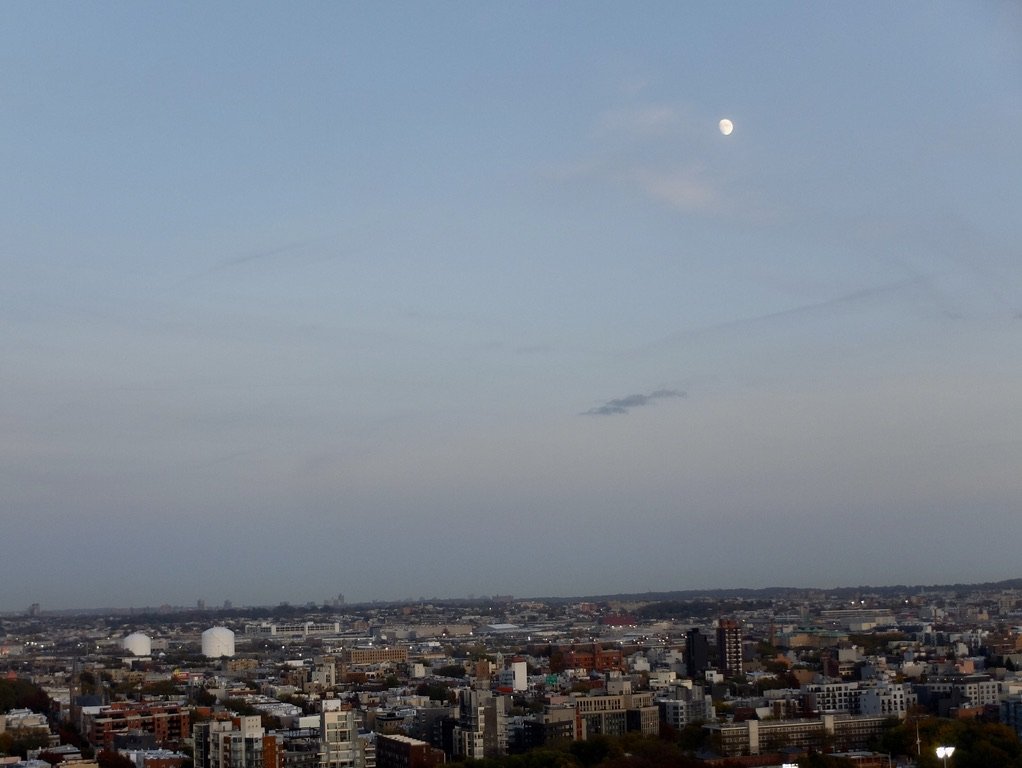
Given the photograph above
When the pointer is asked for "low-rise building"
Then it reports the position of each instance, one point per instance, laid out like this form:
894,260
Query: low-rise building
398,751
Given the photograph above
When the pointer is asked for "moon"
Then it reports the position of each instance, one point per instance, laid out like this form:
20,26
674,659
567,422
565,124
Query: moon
726,126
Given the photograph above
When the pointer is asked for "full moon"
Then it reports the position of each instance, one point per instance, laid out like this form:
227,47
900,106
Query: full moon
726,126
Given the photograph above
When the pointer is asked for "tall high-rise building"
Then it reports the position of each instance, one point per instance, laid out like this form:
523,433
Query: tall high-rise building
482,725
340,745
697,653
237,743
729,647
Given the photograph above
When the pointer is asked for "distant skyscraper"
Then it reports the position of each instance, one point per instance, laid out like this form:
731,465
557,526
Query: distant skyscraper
729,647
697,653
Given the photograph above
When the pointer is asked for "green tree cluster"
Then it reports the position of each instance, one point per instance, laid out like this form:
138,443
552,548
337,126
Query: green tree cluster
21,694
435,691
450,670
19,742
161,688
977,744
633,750
108,759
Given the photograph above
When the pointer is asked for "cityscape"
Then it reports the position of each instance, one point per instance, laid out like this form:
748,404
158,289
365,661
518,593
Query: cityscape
511,384
861,676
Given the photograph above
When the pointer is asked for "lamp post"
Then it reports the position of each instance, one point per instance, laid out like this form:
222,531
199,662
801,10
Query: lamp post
944,753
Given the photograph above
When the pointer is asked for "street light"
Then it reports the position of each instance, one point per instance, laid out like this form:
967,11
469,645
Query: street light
944,753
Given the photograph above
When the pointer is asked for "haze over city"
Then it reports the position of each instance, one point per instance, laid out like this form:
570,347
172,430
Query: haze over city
404,300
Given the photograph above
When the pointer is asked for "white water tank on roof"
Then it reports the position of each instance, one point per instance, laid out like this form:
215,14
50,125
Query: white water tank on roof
217,642
138,644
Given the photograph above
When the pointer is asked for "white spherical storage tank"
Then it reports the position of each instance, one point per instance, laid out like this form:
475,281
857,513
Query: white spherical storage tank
137,644
217,642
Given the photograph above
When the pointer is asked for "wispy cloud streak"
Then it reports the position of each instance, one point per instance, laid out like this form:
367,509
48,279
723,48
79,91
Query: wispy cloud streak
848,299
237,261
624,404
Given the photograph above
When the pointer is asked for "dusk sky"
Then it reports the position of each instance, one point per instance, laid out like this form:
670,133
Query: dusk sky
448,298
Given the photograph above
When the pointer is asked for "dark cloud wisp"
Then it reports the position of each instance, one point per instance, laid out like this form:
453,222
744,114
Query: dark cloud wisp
623,404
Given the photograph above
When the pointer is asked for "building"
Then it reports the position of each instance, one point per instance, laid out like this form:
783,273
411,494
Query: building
155,758
697,653
340,745
617,712
1011,713
827,733
324,672
397,751
515,676
217,642
375,655
946,694
202,740
237,743
594,658
168,723
138,644
682,705
298,629
481,729
299,747
889,700
729,647
558,722
427,724
823,698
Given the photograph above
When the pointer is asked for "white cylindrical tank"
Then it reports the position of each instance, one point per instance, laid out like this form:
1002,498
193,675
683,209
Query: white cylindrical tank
138,644
217,642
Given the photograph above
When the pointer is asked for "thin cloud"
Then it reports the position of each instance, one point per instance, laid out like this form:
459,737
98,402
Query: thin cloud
651,120
682,190
629,145
852,298
624,404
237,261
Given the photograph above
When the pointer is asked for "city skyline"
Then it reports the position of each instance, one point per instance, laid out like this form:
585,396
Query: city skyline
449,299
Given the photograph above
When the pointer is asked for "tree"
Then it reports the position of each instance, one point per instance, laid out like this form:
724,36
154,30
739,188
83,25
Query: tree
451,670
107,759
19,742
693,737
87,683
435,691
977,744
162,688
21,694
204,698
241,707
593,750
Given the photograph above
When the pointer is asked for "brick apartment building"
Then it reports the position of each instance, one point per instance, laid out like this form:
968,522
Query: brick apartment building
168,723
375,655
397,751
591,658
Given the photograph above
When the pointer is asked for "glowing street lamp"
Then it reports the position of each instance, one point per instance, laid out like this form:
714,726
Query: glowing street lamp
944,753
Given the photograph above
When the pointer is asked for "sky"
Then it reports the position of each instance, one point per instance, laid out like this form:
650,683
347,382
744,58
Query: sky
438,299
